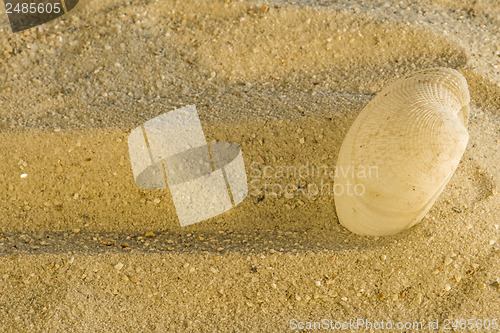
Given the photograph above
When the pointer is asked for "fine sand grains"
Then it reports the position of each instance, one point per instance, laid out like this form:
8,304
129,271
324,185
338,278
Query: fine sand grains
82,248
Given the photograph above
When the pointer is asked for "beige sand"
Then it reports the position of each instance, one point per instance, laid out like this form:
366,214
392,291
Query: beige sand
284,80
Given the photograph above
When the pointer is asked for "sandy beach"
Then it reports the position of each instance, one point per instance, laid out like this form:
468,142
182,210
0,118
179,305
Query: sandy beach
84,249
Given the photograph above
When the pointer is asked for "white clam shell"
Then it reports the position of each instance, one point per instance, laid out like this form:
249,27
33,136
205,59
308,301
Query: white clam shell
401,151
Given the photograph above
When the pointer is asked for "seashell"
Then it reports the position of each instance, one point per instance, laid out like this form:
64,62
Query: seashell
401,151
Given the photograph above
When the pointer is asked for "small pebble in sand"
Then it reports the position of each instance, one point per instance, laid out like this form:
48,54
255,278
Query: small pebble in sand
318,283
481,286
447,287
418,298
118,266
447,261
133,279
